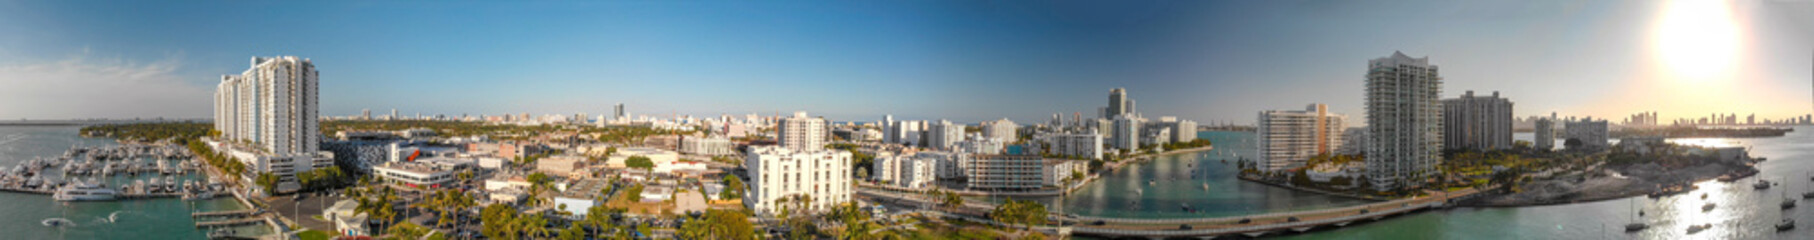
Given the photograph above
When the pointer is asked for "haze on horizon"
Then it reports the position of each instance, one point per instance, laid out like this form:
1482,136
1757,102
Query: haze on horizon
967,61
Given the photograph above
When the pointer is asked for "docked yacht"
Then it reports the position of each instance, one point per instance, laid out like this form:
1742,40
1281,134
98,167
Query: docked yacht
84,191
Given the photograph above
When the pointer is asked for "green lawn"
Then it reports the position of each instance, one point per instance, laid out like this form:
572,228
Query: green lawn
315,235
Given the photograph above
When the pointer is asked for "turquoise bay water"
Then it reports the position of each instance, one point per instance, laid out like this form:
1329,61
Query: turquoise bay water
21,214
1178,180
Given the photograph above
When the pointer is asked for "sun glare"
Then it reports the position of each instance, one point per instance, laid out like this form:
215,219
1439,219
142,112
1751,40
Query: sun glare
1696,40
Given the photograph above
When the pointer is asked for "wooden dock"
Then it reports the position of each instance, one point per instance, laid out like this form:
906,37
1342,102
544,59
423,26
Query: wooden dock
120,196
20,189
246,212
229,223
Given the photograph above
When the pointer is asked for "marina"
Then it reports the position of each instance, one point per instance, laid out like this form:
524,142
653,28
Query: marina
138,210
84,173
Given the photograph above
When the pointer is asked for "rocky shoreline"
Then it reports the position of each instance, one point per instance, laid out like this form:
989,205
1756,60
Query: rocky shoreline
1614,182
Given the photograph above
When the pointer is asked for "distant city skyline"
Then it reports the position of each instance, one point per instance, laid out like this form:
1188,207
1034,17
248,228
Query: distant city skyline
1211,62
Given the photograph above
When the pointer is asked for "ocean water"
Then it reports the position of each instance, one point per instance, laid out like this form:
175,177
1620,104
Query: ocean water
21,214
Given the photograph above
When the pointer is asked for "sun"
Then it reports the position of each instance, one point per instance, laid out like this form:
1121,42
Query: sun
1696,40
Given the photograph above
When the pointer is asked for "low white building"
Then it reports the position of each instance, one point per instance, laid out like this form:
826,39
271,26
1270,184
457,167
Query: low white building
992,172
579,197
654,193
564,165
347,221
681,167
978,144
905,170
778,173
1086,145
491,162
423,173
1056,171
709,146
948,165
658,156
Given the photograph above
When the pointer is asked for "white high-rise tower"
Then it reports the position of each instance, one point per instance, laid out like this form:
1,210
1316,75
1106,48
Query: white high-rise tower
273,105
1404,121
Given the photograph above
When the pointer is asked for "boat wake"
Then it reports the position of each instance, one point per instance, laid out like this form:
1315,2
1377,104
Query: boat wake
11,138
57,222
111,217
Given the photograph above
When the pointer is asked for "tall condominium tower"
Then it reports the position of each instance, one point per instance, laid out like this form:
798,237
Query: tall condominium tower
1545,128
1126,130
1288,139
943,134
1404,121
1117,103
1477,122
273,105
801,132
618,111
1001,129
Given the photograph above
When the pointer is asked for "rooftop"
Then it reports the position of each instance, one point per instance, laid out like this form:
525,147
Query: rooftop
586,189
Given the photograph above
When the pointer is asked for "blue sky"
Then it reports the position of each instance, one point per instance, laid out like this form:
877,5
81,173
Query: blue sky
968,61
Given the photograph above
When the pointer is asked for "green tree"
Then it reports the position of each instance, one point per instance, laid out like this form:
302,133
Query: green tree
533,226
598,218
573,232
306,179
408,231
634,193
1026,213
267,182
733,187
640,162
952,201
496,221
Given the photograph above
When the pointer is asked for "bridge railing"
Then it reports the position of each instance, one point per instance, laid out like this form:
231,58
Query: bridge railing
1246,229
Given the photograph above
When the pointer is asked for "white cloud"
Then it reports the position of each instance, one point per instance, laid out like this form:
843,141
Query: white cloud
81,87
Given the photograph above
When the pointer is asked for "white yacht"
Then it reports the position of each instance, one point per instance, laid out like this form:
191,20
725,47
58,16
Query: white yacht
84,191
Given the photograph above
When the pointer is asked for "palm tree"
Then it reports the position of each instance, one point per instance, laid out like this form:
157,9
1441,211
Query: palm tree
534,225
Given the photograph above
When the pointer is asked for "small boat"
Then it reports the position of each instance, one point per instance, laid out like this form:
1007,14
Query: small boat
1707,207
223,233
1787,202
1633,227
1205,186
1761,185
1698,228
205,195
1785,224
57,222
1703,196
1807,195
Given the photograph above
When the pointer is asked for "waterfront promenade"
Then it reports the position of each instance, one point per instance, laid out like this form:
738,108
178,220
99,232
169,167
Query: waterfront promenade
1248,225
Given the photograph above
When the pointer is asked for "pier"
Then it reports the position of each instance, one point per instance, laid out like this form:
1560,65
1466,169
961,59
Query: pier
229,223
229,213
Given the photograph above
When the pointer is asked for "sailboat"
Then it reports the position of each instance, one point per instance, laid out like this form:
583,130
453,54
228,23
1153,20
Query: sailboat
1635,225
1787,202
1807,195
